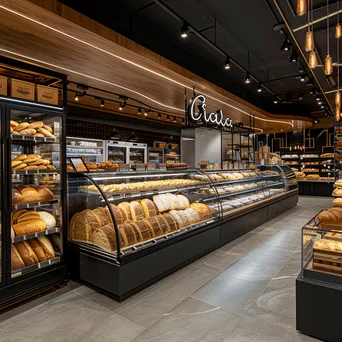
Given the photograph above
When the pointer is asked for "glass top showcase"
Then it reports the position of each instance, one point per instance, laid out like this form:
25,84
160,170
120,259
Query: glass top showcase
116,214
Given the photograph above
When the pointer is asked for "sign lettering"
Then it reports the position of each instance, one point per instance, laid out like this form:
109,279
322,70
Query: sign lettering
197,110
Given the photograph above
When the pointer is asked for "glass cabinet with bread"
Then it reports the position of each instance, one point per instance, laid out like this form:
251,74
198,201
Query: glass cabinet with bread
120,214
36,199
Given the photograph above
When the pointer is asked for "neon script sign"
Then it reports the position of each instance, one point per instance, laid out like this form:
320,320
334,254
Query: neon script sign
199,114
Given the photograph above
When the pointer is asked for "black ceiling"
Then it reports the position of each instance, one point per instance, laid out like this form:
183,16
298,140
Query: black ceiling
241,26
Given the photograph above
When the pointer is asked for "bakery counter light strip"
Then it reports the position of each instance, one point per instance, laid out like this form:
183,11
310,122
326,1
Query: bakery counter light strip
26,237
35,267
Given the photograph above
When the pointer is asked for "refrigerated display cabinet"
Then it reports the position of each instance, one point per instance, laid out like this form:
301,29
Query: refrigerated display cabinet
91,150
130,229
119,152
156,155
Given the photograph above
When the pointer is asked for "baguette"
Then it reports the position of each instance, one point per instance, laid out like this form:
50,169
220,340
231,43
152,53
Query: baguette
29,226
16,260
16,214
11,130
31,167
28,131
15,163
48,128
20,166
46,244
36,124
38,250
36,162
45,132
13,123
39,135
21,157
42,167
26,252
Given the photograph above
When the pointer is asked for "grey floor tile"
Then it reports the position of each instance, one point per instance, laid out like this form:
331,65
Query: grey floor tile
191,321
147,306
292,268
218,259
70,317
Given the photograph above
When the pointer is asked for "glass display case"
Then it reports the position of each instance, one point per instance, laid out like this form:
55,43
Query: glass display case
123,213
156,155
36,201
90,150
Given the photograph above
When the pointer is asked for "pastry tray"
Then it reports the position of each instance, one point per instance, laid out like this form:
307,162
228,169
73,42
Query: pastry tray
33,138
34,204
35,235
35,267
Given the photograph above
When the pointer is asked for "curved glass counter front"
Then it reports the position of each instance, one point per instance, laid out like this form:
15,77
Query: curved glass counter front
117,214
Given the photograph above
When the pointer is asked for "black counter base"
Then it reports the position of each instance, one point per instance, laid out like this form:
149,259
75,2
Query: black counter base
315,188
29,287
318,312
122,281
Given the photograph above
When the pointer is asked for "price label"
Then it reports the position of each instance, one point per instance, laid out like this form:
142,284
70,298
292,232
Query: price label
124,167
162,167
140,167
151,166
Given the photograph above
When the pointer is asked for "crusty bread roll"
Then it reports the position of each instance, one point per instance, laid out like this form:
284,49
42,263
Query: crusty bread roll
31,167
15,163
26,252
155,224
38,250
136,211
16,214
45,132
127,209
104,237
103,215
144,229
48,128
20,166
21,126
40,135
173,199
176,216
16,260
21,157
149,207
36,124
119,214
183,202
337,192
203,211
46,244
13,123
337,202
313,176
30,226
49,219
28,131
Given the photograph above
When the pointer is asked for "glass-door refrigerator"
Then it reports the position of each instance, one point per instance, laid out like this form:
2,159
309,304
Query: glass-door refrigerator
156,155
116,152
137,153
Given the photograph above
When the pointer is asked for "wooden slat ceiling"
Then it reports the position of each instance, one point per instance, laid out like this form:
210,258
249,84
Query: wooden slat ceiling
63,40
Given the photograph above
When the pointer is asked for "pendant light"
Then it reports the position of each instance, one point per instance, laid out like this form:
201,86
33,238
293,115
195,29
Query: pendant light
328,66
301,7
338,98
313,60
338,31
309,37
338,114
338,94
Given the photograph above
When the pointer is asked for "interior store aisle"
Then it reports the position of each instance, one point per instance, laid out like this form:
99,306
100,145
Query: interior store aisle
244,291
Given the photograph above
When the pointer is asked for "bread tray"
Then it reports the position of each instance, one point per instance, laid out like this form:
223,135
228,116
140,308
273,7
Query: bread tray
331,226
328,261
35,267
35,235
32,138
34,204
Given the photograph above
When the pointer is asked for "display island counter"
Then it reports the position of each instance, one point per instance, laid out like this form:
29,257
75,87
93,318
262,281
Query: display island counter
128,230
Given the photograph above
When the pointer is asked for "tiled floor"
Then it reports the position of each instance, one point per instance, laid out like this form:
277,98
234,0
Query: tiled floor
244,291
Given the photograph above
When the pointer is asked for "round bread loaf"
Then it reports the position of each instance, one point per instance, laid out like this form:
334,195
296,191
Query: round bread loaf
46,244
337,192
338,183
337,202
47,218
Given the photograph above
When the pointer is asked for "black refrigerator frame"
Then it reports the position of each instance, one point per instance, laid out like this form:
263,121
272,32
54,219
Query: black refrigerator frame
13,291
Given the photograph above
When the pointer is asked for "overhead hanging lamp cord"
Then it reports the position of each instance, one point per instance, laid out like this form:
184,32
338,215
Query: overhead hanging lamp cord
328,28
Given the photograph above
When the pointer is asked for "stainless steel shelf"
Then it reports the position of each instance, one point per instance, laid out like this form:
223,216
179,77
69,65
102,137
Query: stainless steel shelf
34,205
33,172
32,138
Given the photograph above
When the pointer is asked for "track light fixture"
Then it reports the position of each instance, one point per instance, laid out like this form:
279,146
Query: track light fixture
318,98
227,64
286,46
259,90
185,31
159,116
168,118
248,78
183,122
316,121
139,111
146,112
102,103
122,105
300,96
276,100
320,102
174,119
302,78
301,70
294,57
76,97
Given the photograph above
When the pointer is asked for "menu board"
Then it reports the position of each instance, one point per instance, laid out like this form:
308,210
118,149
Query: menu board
78,164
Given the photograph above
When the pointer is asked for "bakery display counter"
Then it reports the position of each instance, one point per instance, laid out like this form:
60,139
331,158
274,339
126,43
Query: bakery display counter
319,283
126,223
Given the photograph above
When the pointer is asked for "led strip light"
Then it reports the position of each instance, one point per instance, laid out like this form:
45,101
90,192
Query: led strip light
125,60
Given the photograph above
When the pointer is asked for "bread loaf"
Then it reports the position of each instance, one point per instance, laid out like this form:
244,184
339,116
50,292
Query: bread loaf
172,222
313,177
27,194
21,126
21,166
26,252
119,214
155,225
338,183
192,215
162,224
103,215
36,124
46,244
80,229
144,229
184,218
337,202
28,131
177,217
38,250
128,233
149,207
13,123
16,260
44,131
48,128
173,199
93,221
21,157
15,163
203,211
16,214
136,211
126,209
162,202
30,226
183,202
49,219
337,192
28,215
104,237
